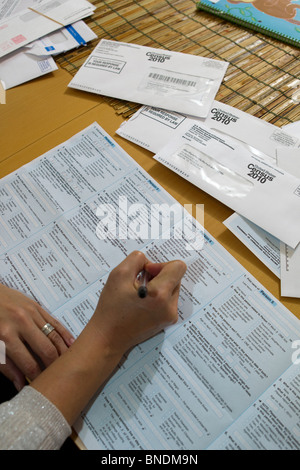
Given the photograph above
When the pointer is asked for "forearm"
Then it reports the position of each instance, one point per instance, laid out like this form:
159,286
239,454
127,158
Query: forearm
30,422
75,376
121,320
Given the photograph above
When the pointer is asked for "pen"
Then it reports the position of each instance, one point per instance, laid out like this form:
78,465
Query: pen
142,278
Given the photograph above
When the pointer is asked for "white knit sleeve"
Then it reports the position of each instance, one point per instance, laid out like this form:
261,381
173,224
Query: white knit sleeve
31,422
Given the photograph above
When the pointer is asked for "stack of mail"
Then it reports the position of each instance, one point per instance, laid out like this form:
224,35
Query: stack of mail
228,153
248,164
32,31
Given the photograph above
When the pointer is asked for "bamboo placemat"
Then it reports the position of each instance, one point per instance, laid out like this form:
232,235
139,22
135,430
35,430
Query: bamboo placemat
263,77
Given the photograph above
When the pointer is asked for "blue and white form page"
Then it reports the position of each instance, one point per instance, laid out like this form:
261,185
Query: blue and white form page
193,386
187,386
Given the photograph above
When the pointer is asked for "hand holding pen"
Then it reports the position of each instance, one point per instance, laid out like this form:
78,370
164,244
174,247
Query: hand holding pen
121,320
126,315
142,278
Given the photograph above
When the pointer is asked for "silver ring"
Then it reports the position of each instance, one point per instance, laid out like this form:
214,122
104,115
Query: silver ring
47,329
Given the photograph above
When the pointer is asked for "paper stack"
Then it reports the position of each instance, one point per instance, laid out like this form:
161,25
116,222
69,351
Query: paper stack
233,156
239,159
33,31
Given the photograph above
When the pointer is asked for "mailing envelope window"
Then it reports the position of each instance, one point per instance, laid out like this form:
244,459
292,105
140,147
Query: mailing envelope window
256,189
220,177
171,80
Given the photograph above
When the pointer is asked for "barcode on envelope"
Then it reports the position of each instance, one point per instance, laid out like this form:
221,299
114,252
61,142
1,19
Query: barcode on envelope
169,79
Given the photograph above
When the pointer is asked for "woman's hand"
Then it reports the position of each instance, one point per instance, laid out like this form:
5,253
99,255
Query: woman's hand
122,317
121,320
28,349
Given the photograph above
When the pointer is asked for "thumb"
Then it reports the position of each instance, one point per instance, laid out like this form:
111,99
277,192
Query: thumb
167,274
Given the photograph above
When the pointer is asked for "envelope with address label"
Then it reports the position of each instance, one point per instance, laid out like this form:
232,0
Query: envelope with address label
256,189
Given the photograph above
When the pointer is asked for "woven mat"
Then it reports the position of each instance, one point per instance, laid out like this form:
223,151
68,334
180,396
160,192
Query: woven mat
263,77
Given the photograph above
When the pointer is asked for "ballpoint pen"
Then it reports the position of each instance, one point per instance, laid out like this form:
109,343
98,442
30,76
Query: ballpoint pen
142,279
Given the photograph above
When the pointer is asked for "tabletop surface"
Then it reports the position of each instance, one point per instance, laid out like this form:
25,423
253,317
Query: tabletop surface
262,80
43,113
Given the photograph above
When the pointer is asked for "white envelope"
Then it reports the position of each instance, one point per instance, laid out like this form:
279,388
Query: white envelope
171,80
18,67
63,40
26,26
12,7
256,189
290,271
282,260
35,60
293,128
152,128
289,258
261,243
289,160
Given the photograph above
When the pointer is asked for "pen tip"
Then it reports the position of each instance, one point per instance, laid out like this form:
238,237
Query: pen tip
142,292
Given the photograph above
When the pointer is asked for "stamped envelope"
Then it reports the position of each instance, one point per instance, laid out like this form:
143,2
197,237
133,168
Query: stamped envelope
171,80
43,18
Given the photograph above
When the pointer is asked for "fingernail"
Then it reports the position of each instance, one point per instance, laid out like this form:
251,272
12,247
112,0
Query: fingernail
17,385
